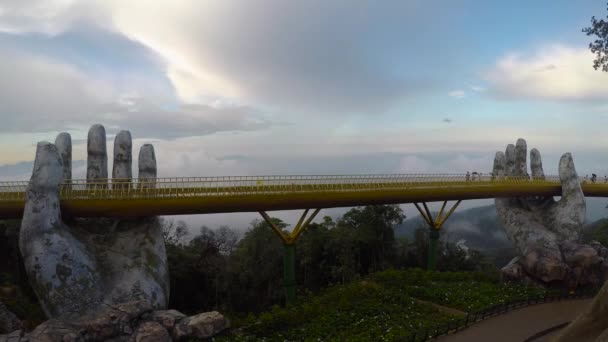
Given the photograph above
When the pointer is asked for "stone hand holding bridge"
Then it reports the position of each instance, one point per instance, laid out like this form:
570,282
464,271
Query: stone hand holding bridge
546,232
78,266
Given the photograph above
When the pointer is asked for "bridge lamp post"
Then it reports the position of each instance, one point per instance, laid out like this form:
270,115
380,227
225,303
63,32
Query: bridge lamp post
435,225
289,258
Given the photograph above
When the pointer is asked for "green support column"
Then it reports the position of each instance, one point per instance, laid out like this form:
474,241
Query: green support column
434,225
433,247
289,272
289,243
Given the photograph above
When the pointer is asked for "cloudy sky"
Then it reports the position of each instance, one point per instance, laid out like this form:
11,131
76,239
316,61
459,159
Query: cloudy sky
304,87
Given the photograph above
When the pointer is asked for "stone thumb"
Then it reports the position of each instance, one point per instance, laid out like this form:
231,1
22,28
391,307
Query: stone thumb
42,196
572,205
571,186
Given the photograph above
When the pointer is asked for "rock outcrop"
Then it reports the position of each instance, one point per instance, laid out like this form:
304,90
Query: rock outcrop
131,321
544,231
9,322
79,266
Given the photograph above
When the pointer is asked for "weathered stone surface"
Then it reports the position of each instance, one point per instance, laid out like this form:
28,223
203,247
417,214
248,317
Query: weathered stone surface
114,320
9,322
134,322
208,324
54,330
181,330
121,169
58,266
167,318
110,260
14,336
601,250
579,255
545,264
71,337
513,270
545,231
63,142
603,337
536,164
110,322
152,332
97,160
147,166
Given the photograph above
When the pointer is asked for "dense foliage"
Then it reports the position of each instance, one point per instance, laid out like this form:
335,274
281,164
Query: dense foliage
385,306
248,276
599,46
597,231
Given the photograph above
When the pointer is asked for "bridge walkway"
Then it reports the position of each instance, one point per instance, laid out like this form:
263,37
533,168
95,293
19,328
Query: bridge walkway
204,195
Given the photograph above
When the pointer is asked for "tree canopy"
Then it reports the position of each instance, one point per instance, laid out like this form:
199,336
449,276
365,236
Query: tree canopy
599,28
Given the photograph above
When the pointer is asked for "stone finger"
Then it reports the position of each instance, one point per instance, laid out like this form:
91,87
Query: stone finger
571,208
63,143
536,164
97,157
499,164
510,160
520,167
121,168
56,264
42,209
147,166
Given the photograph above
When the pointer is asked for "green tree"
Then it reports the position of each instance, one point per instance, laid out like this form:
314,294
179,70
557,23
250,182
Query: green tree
173,233
374,236
256,268
599,46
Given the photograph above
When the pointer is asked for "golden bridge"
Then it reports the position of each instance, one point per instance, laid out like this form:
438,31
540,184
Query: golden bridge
204,195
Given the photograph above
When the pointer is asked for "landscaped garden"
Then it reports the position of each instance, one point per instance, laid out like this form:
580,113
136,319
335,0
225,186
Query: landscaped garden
389,305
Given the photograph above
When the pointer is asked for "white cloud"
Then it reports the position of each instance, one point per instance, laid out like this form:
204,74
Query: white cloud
457,94
39,94
293,55
477,88
459,163
43,95
47,16
554,72
414,164
462,164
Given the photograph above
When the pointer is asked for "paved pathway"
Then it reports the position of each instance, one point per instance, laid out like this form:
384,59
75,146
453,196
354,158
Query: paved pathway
519,324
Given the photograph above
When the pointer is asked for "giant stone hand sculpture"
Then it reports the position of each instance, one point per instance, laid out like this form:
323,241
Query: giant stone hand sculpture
76,265
546,232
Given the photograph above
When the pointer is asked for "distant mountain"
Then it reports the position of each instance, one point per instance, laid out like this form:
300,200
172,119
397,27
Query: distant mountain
482,231
596,208
479,227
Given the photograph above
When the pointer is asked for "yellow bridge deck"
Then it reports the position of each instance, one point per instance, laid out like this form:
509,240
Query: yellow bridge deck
176,196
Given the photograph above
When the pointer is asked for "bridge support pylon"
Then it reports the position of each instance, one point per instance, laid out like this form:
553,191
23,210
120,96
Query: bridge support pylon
434,228
289,258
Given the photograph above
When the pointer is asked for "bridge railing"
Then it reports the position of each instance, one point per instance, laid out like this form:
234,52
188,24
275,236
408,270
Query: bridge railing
243,185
